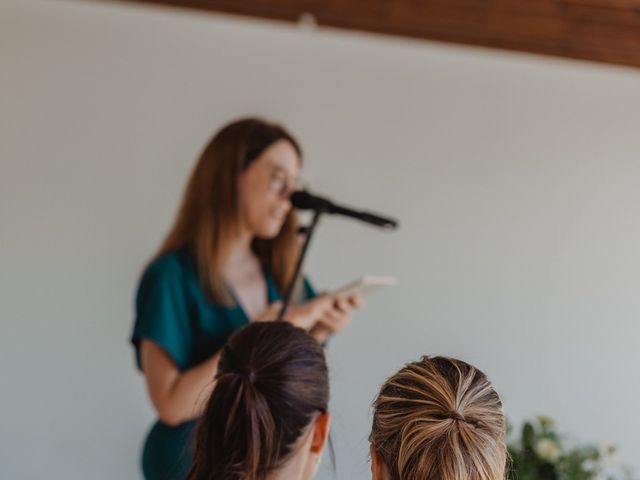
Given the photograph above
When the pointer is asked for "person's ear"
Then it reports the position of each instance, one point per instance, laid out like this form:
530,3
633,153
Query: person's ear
320,433
378,468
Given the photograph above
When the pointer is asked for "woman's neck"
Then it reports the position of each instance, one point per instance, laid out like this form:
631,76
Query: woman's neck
240,252
293,469
301,464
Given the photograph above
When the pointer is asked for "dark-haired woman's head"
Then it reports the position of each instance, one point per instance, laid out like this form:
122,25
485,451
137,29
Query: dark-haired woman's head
438,418
267,416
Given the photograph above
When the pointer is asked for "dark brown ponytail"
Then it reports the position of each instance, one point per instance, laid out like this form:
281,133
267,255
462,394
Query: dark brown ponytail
271,381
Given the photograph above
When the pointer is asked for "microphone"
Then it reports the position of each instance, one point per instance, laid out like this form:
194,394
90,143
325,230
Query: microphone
303,200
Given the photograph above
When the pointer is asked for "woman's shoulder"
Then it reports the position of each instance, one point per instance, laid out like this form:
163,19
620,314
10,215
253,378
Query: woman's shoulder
171,259
165,275
172,263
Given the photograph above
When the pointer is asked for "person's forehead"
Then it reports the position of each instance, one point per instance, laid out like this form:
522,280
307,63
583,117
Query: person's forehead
282,156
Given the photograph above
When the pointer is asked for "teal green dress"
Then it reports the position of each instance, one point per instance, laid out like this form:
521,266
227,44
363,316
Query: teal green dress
172,311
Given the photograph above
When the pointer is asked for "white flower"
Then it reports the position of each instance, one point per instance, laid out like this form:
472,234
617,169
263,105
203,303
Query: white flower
547,449
608,455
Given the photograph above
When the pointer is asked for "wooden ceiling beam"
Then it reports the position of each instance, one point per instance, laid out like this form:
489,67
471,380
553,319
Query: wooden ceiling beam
595,30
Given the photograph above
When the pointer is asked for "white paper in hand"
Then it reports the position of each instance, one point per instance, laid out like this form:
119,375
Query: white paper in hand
365,285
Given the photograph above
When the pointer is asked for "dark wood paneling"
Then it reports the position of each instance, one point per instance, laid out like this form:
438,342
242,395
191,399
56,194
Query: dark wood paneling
596,30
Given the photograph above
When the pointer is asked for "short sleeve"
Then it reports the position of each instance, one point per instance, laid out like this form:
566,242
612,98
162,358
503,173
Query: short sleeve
162,312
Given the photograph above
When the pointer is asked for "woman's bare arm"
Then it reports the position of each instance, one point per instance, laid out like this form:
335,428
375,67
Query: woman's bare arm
177,396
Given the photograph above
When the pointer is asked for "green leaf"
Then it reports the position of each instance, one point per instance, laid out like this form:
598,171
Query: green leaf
528,435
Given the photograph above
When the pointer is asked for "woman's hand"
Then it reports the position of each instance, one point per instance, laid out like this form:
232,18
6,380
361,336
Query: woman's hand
333,314
322,316
305,315
337,318
270,313
308,314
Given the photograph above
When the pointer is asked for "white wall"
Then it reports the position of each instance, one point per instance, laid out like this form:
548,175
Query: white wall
515,177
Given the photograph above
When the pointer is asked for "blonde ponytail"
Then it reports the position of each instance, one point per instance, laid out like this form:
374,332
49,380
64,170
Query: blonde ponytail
440,418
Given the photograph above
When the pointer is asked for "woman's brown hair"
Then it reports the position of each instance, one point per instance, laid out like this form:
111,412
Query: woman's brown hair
440,418
208,217
271,382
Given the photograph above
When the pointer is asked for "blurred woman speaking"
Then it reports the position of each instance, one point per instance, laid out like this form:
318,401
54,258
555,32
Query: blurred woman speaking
225,262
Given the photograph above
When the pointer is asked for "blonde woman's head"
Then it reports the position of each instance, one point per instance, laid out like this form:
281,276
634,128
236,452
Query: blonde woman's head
438,418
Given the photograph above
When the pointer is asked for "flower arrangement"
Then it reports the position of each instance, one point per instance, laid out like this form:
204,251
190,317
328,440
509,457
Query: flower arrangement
541,454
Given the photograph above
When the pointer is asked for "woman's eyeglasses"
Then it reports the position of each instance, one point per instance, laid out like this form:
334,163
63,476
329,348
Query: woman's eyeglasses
281,184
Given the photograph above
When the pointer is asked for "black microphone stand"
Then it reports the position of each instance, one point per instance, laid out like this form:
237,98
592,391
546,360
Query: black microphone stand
296,273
